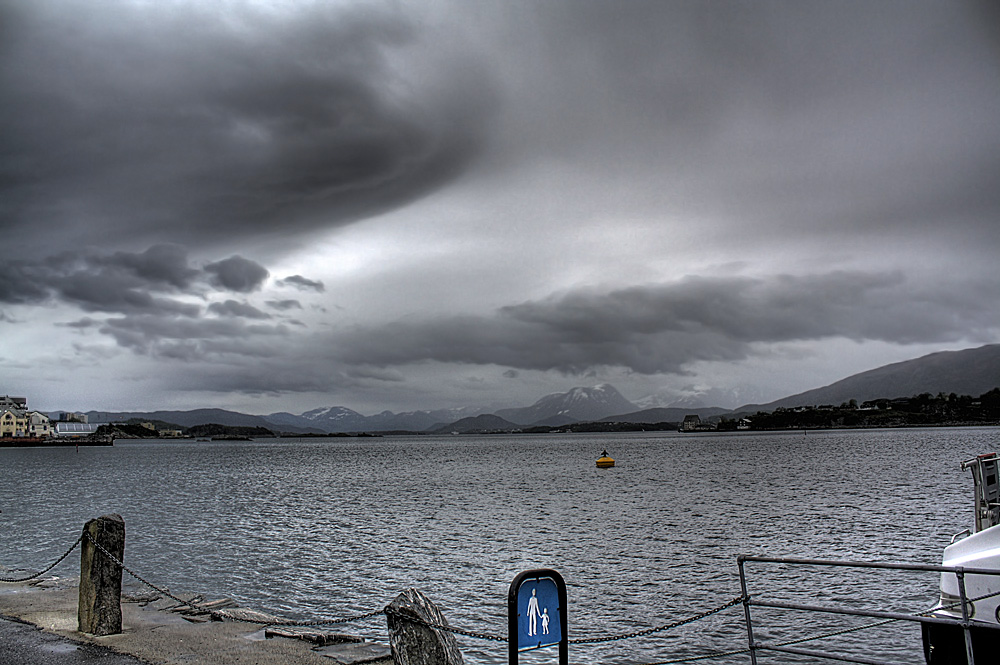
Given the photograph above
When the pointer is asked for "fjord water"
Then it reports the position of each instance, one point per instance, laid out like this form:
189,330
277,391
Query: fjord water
314,528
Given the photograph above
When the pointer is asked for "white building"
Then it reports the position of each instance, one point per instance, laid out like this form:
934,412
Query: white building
39,425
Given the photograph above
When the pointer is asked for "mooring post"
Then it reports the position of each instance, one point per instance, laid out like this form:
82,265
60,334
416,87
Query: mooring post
412,640
100,610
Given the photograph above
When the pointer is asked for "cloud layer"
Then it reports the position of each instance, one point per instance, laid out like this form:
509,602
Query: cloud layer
199,123
160,305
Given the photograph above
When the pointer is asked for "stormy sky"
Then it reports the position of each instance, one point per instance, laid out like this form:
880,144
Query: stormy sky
283,205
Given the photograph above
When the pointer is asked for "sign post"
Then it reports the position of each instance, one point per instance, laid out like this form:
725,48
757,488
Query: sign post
536,614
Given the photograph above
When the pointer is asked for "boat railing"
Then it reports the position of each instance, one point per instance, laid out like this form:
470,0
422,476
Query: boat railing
929,616
964,533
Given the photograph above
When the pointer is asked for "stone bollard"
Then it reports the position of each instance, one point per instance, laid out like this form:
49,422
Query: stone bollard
100,609
414,644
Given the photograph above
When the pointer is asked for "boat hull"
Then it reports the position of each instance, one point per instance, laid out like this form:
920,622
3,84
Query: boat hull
944,644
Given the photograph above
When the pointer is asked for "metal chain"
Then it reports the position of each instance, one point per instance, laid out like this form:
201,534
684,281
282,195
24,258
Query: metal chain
136,575
658,629
307,622
39,574
220,614
437,626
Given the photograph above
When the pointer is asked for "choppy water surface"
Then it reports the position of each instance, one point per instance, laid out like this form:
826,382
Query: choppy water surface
329,528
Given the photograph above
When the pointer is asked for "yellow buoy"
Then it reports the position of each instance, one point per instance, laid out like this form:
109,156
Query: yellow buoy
603,462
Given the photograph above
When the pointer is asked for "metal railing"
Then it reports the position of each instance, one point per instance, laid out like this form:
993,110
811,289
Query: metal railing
926,617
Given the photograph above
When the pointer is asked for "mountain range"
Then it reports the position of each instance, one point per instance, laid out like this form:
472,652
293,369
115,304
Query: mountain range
968,372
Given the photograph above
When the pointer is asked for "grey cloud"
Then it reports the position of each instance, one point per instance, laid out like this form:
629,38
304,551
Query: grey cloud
237,274
659,328
21,283
302,283
206,122
129,282
380,374
284,305
184,338
234,308
108,292
95,281
160,265
85,323
666,328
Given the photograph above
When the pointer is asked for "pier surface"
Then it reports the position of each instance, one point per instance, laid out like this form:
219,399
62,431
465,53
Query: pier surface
38,624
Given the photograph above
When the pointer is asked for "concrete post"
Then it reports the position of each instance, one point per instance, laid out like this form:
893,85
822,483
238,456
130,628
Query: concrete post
100,610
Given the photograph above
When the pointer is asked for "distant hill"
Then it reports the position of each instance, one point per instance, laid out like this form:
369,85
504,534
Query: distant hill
483,423
967,372
666,415
189,418
579,404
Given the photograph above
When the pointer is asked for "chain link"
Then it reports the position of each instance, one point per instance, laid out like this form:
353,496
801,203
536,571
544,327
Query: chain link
136,575
437,626
319,622
658,629
39,574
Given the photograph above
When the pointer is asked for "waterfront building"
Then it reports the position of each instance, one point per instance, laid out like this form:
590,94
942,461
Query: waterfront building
39,425
13,423
17,422
75,430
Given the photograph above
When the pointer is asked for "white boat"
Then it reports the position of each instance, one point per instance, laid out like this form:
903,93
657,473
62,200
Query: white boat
972,552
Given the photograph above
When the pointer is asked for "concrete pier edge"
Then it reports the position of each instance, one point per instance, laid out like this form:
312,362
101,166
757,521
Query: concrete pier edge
158,637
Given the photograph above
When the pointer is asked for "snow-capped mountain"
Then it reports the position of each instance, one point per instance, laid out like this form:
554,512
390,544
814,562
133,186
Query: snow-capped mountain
698,397
337,419
579,404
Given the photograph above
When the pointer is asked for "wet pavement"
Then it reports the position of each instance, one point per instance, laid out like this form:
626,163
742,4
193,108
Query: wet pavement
26,644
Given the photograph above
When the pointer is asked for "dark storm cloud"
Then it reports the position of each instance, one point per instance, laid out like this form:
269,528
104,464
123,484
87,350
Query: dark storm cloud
237,274
21,283
119,282
160,264
107,291
300,282
665,328
201,122
152,281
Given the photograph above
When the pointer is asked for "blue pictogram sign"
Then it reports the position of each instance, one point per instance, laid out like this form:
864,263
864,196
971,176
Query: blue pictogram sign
538,613
536,607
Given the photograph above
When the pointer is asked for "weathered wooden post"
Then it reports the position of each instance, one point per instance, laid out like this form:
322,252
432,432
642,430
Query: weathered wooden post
413,643
100,610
